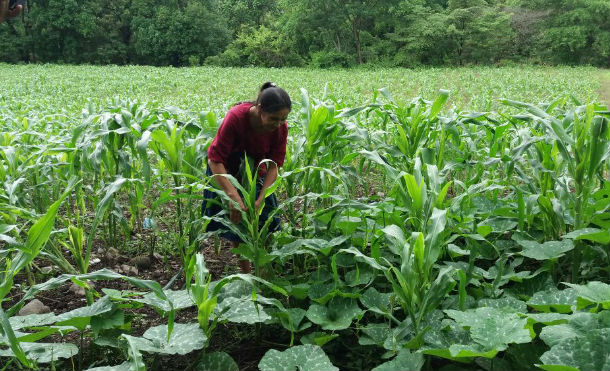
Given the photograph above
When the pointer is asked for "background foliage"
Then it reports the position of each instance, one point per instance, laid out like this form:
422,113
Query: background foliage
278,33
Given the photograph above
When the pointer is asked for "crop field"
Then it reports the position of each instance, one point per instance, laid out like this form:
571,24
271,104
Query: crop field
431,219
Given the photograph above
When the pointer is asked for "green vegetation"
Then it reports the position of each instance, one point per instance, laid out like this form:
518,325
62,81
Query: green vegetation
460,229
281,33
31,90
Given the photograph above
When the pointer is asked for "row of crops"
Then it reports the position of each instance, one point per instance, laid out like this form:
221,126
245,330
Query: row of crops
415,235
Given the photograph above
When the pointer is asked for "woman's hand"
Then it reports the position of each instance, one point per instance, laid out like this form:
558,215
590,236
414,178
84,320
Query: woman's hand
235,213
259,202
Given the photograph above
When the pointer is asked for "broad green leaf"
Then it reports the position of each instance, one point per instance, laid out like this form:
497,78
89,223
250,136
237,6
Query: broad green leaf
558,300
291,318
592,234
548,318
125,366
32,320
442,335
360,257
44,352
337,314
588,352
241,310
578,324
80,317
593,292
506,302
180,300
547,250
300,357
216,361
374,334
318,338
375,301
405,360
496,332
185,338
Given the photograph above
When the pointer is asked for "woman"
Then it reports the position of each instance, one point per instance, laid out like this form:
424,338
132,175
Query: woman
259,130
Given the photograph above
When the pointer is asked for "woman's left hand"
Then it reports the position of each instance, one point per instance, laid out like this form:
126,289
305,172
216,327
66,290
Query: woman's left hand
259,203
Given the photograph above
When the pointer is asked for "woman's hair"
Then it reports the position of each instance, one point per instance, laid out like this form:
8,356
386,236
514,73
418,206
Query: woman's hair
273,98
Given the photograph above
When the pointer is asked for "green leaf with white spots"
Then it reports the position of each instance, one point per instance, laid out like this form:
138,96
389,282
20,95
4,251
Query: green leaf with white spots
241,310
300,357
317,338
125,366
185,339
291,319
216,361
554,300
405,360
180,299
375,301
492,328
471,351
80,317
32,320
374,334
579,324
448,340
44,352
496,332
588,352
506,302
476,316
547,250
548,318
594,292
337,314
592,234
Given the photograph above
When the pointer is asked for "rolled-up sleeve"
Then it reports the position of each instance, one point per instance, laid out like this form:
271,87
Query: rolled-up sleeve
223,143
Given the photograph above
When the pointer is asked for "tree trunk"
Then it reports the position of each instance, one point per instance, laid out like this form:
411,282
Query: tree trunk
356,32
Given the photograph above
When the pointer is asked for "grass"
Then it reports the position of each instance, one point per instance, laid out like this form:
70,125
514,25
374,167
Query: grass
52,89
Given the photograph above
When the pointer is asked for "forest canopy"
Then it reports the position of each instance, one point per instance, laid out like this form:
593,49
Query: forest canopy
332,33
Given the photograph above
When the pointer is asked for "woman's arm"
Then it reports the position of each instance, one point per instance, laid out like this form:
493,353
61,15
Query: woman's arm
227,187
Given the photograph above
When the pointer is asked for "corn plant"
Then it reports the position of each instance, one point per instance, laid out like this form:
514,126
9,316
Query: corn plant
251,231
581,140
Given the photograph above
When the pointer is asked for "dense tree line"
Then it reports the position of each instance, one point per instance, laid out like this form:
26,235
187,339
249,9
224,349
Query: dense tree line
278,33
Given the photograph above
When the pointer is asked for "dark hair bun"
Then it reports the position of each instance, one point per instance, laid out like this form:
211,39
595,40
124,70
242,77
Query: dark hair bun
267,85
273,98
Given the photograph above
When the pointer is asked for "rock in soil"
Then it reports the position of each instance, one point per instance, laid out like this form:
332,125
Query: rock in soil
111,256
141,261
34,307
77,290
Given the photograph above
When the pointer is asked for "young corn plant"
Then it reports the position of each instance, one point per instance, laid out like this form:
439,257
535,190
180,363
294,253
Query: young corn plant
254,234
205,293
25,253
580,138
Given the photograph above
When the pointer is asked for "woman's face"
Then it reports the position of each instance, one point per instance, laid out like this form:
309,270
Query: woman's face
272,120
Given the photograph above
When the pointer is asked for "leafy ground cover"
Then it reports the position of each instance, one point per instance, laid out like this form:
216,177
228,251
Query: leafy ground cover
416,233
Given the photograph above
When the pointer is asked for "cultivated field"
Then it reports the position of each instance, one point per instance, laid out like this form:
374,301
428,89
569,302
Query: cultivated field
431,219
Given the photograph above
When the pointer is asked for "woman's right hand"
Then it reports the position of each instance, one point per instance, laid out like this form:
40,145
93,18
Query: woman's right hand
235,213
